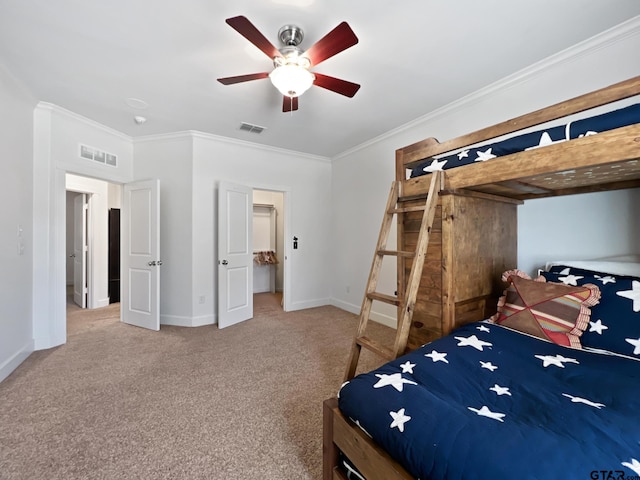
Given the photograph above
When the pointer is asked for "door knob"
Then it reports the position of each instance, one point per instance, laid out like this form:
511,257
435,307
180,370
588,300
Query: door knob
224,262
159,262
152,263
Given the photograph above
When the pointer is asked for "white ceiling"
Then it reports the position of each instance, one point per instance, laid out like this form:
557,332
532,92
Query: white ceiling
413,57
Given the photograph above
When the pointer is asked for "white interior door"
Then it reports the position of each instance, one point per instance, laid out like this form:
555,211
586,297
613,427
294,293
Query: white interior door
80,249
235,254
140,254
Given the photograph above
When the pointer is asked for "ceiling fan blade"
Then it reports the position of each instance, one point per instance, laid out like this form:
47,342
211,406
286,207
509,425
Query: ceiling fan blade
243,78
334,42
348,89
245,28
289,104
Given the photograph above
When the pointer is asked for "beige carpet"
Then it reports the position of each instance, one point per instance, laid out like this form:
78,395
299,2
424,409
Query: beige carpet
120,402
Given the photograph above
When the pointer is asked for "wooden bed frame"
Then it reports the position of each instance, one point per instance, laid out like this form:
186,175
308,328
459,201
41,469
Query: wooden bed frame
607,161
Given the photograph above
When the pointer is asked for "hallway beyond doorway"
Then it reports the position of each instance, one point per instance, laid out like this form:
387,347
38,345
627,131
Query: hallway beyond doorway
81,320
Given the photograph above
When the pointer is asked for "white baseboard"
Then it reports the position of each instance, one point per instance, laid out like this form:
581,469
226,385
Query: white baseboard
349,307
321,302
178,321
102,303
375,316
15,360
203,320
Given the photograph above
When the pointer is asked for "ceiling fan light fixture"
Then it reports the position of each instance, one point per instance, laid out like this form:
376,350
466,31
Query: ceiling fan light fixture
291,80
291,74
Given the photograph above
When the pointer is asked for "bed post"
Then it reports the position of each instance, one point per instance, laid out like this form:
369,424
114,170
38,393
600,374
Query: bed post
329,449
401,278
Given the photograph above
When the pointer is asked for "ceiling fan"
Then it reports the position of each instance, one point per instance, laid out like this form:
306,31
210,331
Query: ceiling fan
291,74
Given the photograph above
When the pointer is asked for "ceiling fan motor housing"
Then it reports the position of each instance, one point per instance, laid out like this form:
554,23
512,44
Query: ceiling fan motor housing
291,35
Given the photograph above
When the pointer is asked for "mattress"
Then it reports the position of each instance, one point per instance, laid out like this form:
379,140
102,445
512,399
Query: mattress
490,402
588,126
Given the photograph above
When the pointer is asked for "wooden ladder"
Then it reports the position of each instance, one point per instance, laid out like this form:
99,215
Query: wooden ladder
405,305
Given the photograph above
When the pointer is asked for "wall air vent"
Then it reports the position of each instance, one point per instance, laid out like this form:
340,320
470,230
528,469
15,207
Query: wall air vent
100,156
248,127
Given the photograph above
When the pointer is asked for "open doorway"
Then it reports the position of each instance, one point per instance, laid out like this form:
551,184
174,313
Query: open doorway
92,251
239,251
268,249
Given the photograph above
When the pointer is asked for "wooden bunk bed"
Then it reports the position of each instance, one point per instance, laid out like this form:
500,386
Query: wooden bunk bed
461,277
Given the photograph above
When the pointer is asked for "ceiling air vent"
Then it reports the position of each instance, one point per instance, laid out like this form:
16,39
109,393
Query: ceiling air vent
248,127
97,155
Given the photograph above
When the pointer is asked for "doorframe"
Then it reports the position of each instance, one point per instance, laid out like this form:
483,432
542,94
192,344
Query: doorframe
93,301
49,297
286,273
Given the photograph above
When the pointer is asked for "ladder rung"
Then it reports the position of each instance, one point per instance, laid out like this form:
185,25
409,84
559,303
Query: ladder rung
417,208
396,253
408,198
384,298
406,302
376,347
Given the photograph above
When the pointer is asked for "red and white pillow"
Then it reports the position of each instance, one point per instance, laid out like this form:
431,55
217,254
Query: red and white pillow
555,312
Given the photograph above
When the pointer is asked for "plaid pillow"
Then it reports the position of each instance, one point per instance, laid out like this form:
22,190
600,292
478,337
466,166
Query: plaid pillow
552,311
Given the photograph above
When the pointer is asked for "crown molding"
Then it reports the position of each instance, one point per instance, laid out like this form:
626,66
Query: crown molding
52,107
163,137
232,141
183,135
611,36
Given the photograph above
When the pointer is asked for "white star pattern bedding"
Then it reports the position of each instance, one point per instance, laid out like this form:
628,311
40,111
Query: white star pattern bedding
488,402
491,402
615,321
588,126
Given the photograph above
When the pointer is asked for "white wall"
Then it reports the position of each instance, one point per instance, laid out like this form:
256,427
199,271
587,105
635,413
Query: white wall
115,195
37,149
190,165
170,159
188,182
57,135
608,224
16,161
306,181
361,177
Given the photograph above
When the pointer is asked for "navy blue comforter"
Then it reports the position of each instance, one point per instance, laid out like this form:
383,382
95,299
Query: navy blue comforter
488,402
587,126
